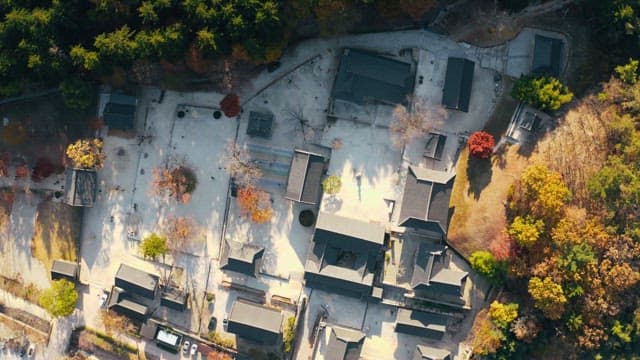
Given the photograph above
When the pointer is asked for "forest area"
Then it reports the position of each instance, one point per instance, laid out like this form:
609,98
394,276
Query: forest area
569,265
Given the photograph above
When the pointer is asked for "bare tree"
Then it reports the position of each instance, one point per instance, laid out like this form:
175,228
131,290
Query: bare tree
414,121
240,166
180,231
296,115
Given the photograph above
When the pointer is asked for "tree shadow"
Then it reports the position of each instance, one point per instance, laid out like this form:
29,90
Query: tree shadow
332,204
479,173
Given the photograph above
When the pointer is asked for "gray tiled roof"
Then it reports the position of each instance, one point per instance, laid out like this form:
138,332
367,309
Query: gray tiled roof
424,352
255,322
136,281
547,55
305,176
457,84
344,344
65,268
120,111
80,187
331,226
425,199
121,301
242,258
364,76
421,323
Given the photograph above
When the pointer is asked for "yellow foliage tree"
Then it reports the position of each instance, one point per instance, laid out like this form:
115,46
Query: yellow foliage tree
503,314
86,153
548,296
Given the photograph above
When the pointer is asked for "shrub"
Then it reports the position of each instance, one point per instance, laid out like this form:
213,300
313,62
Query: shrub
230,105
256,203
481,144
542,92
153,246
60,299
289,335
43,169
486,264
219,340
332,185
76,93
178,181
86,153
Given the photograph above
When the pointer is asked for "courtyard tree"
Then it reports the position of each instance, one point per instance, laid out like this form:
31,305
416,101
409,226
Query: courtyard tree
486,264
179,231
542,92
153,246
481,144
332,185
240,166
60,299
255,203
413,121
548,296
175,179
230,105
86,153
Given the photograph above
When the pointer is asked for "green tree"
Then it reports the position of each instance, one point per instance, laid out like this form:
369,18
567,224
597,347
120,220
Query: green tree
153,246
503,314
628,73
76,93
289,334
488,266
548,296
526,230
543,92
332,184
60,299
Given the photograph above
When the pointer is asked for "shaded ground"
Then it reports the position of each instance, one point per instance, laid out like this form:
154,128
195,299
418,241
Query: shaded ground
103,346
57,232
25,317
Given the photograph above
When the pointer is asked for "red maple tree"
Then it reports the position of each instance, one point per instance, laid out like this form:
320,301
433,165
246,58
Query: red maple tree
230,105
481,144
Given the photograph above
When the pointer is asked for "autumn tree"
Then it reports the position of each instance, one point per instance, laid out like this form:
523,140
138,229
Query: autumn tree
548,296
542,92
176,179
180,231
526,230
153,246
486,264
240,166
503,314
487,338
416,8
525,328
60,299
255,203
86,153
544,193
332,184
413,121
481,144
230,105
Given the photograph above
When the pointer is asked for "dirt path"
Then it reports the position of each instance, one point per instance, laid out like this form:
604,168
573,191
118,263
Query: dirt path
490,28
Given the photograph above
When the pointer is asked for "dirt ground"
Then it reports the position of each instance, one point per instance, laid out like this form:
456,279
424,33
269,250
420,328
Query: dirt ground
57,232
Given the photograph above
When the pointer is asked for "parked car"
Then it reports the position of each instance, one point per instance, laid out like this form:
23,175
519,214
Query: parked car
194,349
31,351
185,347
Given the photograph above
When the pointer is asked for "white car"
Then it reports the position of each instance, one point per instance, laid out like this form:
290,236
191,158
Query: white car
185,347
194,349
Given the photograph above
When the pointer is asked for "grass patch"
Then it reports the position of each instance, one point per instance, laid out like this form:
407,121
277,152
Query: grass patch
17,287
57,232
481,186
90,339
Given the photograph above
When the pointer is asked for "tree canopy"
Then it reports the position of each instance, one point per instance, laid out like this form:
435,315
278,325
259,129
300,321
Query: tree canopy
542,92
60,299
